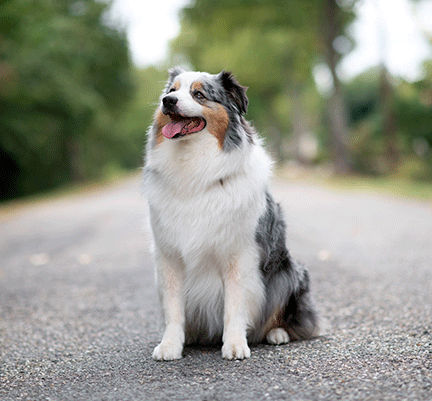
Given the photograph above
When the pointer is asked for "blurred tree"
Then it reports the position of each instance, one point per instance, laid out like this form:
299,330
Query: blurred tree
388,119
411,102
334,20
251,38
272,46
362,96
387,98
66,76
138,115
414,110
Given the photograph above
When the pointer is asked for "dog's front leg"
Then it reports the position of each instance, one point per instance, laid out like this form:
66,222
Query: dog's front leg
170,276
239,306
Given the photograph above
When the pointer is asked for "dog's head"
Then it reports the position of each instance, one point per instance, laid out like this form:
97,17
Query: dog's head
193,102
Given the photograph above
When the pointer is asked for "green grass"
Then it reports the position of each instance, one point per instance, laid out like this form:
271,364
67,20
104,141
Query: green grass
10,207
390,185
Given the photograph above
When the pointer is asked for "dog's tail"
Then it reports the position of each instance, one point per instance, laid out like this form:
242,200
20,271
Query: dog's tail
300,314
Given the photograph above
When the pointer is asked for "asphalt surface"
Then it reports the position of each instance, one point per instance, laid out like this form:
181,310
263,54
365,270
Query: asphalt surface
79,312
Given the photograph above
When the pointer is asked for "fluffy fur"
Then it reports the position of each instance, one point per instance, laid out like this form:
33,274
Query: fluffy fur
223,270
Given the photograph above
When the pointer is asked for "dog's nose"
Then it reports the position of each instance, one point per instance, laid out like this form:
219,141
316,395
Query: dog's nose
169,101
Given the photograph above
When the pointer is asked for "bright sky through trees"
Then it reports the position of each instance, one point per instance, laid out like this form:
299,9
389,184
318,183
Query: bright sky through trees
151,24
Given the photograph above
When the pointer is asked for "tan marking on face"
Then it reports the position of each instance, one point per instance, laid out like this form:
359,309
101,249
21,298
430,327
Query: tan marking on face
197,86
161,120
175,85
217,121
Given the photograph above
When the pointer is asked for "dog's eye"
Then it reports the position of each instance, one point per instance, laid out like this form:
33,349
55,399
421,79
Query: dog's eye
172,90
199,95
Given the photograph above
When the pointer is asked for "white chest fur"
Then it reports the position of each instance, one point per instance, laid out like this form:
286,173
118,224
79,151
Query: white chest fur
203,199
204,205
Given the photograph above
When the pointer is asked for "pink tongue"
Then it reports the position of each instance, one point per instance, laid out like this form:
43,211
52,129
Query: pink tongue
186,126
172,129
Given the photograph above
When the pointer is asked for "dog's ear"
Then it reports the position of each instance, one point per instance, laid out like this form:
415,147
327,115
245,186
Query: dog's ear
235,91
172,73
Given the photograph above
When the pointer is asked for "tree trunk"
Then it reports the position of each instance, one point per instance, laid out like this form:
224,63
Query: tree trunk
388,117
298,125
336,106
386,96
74,159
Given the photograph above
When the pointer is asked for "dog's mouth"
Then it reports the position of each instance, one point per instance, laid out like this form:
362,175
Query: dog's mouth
182,126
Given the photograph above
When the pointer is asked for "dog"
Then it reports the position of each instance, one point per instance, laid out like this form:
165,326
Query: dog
223,270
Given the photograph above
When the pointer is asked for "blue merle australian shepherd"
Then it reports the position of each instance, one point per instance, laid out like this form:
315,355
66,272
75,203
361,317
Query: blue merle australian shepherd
223,270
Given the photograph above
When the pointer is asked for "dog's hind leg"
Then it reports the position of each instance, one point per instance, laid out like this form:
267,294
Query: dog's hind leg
299,315
293,315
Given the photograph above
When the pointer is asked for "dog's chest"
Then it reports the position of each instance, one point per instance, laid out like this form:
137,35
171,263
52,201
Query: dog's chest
199,202
197,222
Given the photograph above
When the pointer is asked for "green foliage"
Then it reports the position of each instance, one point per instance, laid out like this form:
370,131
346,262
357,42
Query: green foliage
133,123
271,46
66,78
362,96
73,108
362,100
412,107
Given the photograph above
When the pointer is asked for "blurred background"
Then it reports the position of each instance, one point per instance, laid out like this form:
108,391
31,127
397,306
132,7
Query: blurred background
341,86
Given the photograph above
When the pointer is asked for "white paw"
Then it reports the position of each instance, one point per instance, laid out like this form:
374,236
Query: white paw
235,350
277,336
167,351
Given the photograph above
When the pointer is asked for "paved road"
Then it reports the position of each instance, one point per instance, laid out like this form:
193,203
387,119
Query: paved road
79,315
